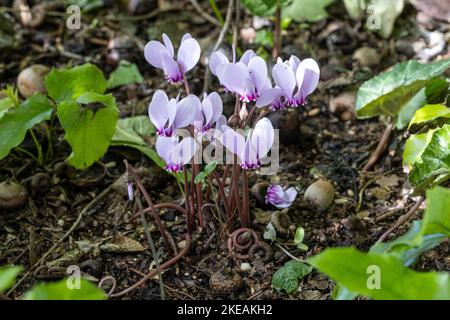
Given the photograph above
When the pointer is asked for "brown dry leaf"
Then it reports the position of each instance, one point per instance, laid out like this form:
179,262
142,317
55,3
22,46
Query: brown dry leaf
380,193
388,182
122,244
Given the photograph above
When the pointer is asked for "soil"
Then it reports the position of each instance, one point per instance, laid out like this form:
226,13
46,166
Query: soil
315,143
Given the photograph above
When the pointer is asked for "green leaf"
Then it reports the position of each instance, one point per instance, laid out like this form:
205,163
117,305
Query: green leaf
357,271
89,133
423,236
262,8
125,74
210,167
8,276
16,122
200,177
298,239
435,164
388,93
69,84
429,113
415,146
61,291
407,112
309,10
286,278
264,38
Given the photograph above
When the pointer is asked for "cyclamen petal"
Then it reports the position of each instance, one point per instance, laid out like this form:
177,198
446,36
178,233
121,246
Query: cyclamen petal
308,75
162,56
254,147
174,153
216,59
279,198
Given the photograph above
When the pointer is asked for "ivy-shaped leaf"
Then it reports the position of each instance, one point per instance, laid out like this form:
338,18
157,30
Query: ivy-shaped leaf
381,276
388,93
286,278
69,84
88,131
15,123
434,166
126,73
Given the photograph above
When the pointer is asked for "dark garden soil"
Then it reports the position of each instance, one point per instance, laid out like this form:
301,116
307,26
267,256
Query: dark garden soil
320,140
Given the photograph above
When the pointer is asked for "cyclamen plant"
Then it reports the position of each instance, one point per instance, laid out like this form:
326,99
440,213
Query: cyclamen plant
183,126
203,120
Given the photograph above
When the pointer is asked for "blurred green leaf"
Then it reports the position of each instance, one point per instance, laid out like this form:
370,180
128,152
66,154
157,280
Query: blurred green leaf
8,276
264,38
61,291
125,74
429,113
309,10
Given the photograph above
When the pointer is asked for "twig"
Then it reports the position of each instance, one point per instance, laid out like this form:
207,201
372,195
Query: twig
151,274
219,41
205,14
152,247
277,47
103,194
402,219
376,155
290,255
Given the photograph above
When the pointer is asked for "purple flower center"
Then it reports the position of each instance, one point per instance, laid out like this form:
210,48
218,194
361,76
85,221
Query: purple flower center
164,132
173,167
175,79
250,166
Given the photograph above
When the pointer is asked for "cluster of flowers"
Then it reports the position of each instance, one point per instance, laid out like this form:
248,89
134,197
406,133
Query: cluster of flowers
248,78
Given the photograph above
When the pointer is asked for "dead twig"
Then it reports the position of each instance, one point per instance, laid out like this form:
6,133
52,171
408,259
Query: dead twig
402,219
204,14
376,155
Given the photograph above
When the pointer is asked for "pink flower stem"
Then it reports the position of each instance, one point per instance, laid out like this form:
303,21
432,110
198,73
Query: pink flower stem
155,214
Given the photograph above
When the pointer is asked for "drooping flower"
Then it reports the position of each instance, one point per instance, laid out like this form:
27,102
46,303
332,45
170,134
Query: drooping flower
174,152
248,77
169,115
162,56
280,198
254,147
294,81
209,112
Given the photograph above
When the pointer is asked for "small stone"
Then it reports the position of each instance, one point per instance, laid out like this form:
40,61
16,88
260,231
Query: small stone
31,80
343,105
13,195
367,57
320,195
226,282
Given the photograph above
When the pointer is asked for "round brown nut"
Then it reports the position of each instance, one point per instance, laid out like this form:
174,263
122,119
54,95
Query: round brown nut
320,195
31,80
223,283
12,195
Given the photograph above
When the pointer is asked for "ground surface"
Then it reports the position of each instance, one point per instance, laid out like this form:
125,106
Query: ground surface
315,143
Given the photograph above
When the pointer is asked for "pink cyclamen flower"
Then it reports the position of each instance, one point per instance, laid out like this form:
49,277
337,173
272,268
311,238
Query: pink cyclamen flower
162,56
294,81
169,115
176,153
248,77
209,112
279,198
254,147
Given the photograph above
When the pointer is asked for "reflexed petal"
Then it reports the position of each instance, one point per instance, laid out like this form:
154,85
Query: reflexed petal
184,151
308,74
232,77
171,68
157,109
234,142
284,77
290,194
164,147
171,111
261,138
188,54
207,109
216,59
247,56
268,96
217,106
153,51
257,69
185,37
168,44
187,111
294,62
